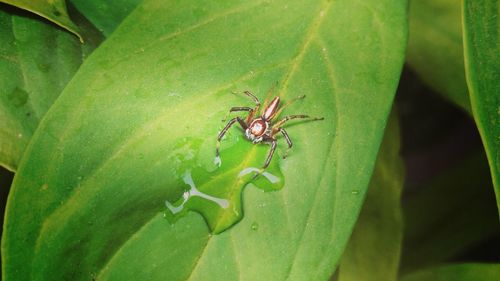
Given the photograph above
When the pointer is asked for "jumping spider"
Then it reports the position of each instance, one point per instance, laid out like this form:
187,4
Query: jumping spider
261,129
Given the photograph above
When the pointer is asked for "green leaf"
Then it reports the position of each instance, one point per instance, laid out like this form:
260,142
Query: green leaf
435,50
482,49
53,10
36,62
458,272
104,161
435,214
105,15
373,251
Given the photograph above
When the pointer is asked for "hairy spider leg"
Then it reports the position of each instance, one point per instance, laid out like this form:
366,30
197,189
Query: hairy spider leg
224,131
255,109
245,108
290,117
271,151
237,108
268,96
288,141
277,128
289,103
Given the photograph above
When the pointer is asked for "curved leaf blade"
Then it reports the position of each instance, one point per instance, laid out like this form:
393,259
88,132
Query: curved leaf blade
481,49
374,249
53,10
435,49
105,15
165,76
36,62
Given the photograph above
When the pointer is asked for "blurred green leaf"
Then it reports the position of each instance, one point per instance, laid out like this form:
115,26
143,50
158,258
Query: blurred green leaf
36,62
450,215
53,10
435,50
104,160
374,249
482,65
457,272
105,15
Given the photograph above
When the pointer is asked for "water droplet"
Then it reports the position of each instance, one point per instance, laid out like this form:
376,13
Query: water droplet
355,192
255,226
216,192
18,97
217,161
192,192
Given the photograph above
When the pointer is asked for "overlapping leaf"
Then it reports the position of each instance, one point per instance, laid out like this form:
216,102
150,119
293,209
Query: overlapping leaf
36,61
482,46
103,162
105,15
435,50
374,250
53,10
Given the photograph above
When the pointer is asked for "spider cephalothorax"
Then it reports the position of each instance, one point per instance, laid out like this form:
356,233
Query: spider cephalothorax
260,129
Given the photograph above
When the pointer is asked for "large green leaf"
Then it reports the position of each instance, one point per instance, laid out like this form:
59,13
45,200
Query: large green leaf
435,50
374,248
105,15
482,61
53,10
92,188
458,272
435,217
36,61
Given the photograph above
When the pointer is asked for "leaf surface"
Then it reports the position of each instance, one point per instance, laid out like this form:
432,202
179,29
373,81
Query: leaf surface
105,159
461,272
374,249
481,49
36,61
53,10
105,15
435,49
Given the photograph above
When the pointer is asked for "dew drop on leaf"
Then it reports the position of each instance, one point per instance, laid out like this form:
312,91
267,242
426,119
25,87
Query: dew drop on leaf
255,226
216,192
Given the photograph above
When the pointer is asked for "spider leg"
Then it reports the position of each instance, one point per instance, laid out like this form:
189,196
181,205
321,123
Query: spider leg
290,117
238,108
288,141
226,128
249,109
271,151
289,103
255,109
255,99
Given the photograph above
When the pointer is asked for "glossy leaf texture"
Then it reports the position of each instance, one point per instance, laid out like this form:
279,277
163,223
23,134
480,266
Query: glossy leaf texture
435,49
36,62
106,158
461,272
105,15
482,49
374,250
53,10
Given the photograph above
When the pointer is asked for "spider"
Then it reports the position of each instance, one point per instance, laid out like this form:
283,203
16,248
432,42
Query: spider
260,129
